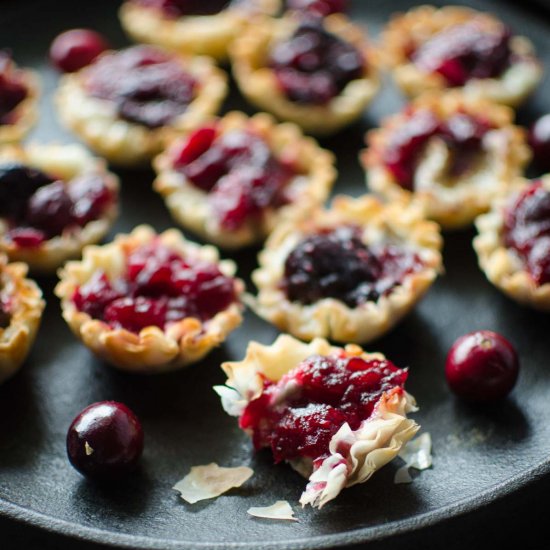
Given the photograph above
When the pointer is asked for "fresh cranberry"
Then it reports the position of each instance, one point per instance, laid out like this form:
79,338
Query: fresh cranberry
179,8
313,65
318,7
338,264
105,440
464,52
12,90
298,416
482,366
72,50
148,86
539,139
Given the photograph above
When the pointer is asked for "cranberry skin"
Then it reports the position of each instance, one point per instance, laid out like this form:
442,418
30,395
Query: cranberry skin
482,366
539,139
72,50
105,440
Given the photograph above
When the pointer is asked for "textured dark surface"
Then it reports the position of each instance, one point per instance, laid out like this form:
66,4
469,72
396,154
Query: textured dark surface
479,454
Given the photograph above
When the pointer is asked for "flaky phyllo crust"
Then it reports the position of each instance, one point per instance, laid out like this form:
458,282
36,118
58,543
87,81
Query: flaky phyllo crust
193,35
125,143
410,30
310,187
153,349
452,202
502,265
396,223
249,55
25,309
354,455
65,162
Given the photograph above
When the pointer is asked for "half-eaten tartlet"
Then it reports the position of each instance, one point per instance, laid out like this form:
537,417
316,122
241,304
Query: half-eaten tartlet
19,94
192,27
336,415
316,72
126,104
349,273
453,155
456,47
233,180
151,302
21,307
513,245
54,200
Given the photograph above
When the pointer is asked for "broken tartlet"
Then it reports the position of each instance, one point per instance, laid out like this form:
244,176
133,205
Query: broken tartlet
233,180
430,49
453,155
316,72
193,27
19,94
349,273
335,414
151,302
126,104
21,307
54,200
513,245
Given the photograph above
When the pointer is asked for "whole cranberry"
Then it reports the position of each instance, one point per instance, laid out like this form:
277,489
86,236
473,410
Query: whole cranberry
482,366
539,139
105,440
72,50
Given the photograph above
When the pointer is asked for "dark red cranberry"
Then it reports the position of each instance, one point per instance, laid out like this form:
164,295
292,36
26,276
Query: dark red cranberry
482,366
148,86
326,393
27,237
318,7
90,198
539,139
95,295
12,90
179,8
72,50
105,441
465,52
313,65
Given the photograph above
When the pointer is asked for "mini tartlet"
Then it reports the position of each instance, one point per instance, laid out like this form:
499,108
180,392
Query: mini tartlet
349,273
431,49
21,307
19,94
452,154
323,88
127,104
151,302
54,200
193,28
234,180
513,245
336,415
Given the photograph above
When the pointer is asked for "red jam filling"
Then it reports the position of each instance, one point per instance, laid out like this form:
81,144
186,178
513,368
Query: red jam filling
12,90
465,52
179,8
318,7
38,207
338,264
159,287
462,133
527,230
238,171
147,86
298,416
313,66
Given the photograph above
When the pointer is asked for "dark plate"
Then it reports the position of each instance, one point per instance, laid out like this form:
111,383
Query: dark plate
479,454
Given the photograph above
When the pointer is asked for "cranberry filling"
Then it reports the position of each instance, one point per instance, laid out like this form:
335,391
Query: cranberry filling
527,230
313,65
299,415
38,207
462,133
179,8
12,90
318,7
147,86
338,264
238,171
464,52
158,288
